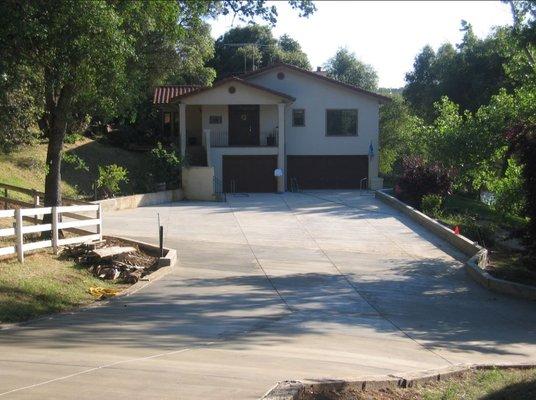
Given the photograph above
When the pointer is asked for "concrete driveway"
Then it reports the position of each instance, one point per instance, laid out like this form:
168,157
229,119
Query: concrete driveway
269,288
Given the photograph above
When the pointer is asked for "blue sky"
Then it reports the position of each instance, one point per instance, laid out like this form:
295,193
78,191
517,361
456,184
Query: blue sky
386,35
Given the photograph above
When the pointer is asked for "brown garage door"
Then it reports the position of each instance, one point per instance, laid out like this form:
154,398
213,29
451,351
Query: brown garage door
249,173
327,172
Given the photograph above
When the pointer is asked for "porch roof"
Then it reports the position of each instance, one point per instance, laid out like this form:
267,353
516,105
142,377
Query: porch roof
267,91
164,93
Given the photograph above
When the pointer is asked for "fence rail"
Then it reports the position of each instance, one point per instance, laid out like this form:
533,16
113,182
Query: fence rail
35,195
54,227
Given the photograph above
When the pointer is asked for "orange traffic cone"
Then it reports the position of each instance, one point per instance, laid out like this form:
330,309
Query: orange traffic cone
456,230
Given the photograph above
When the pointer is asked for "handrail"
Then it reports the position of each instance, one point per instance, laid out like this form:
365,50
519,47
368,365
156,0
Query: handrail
34,193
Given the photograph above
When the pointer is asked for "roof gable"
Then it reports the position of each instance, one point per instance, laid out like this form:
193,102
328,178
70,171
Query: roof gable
216,89
355,89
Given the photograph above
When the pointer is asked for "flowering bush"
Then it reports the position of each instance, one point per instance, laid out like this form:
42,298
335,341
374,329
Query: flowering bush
420,179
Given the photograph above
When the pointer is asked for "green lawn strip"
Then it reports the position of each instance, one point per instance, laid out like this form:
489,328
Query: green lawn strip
494,384
43,284
519,384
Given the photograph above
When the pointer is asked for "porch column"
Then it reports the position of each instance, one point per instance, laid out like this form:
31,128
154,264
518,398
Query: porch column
281,180
182,128
206,135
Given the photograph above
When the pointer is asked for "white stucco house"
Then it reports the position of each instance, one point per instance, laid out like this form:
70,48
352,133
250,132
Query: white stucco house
275,129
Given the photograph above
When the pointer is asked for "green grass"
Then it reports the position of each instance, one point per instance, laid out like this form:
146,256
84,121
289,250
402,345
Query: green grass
43,284
459,206
494,384
25,167
490,385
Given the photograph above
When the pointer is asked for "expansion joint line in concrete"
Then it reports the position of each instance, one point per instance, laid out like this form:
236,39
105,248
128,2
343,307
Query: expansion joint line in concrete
258,261
354,288
110,365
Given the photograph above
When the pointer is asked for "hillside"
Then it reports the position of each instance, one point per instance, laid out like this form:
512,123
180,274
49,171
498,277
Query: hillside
26,167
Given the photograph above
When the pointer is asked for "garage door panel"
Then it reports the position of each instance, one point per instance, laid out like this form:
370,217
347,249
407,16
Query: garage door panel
249,173
327,172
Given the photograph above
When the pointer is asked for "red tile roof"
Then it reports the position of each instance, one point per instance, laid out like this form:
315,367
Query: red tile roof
163,94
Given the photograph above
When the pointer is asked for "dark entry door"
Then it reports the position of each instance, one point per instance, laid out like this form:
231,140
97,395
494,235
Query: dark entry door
249,174
244,125
327,172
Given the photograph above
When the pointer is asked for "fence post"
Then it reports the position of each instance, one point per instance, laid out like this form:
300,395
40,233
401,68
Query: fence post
55,234
5,195
36,204
99,225
19,235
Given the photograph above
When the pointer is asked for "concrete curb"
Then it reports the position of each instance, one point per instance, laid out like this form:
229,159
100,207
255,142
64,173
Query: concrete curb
478,255
166,263
140,200
293,390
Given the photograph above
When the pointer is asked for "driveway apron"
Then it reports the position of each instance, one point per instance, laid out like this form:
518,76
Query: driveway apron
270,287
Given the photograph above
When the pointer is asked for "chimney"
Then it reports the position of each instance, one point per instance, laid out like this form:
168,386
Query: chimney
320,72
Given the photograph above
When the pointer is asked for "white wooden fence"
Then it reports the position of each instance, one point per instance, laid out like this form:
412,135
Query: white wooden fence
77,221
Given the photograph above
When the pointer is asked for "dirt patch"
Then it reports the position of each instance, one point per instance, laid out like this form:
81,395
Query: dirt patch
512,266
113,259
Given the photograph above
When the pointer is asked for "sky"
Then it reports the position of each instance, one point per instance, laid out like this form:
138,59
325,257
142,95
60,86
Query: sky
387,35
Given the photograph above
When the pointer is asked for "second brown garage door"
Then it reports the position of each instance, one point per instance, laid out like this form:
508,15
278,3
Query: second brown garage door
327,172
249,173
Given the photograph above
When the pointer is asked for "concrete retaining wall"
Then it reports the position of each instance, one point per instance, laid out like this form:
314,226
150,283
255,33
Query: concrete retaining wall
198,183
463,244
478,256
140,200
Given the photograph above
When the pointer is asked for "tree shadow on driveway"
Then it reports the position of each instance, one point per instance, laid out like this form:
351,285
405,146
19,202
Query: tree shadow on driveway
427,299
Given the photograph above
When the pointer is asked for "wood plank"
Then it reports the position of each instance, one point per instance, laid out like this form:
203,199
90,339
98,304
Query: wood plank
7,232
85,207
36,211
7,213
4,251
107,252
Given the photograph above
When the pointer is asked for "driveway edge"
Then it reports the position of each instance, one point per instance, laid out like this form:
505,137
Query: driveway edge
167,265
478,255
292,390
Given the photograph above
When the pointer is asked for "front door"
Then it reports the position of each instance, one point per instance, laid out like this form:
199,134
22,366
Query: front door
244,125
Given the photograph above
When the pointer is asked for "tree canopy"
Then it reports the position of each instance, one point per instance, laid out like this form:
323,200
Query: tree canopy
243,49
99,58
468,73
345,67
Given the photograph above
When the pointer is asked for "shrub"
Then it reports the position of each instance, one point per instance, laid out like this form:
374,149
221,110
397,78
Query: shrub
483,234
110,176
75,161
522,138
419,179
509,192
165,165
432,204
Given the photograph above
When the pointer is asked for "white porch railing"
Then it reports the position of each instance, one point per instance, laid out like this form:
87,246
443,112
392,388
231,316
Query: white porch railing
266,139
72,225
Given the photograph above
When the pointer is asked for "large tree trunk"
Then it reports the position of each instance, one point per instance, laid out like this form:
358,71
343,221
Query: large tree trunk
58,110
